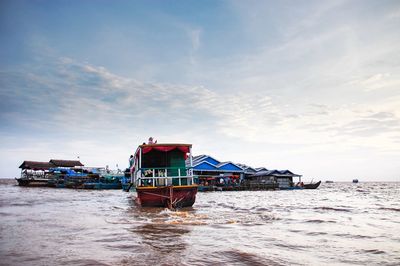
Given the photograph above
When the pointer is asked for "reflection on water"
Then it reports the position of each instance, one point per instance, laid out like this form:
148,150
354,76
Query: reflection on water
339,224
162,239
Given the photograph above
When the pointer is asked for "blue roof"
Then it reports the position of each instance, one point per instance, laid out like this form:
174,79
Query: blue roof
207,158
229,166
211,160
204,166
208,163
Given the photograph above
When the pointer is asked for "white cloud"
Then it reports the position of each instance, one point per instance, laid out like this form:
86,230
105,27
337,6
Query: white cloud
195,38
93,99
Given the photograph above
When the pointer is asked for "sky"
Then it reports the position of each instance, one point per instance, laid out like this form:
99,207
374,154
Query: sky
309,86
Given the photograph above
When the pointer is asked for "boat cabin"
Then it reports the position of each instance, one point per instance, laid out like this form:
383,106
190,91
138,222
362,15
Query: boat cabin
35,170
35,174
158,165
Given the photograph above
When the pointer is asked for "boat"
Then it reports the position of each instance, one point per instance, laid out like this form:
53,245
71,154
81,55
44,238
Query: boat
206,183
329,181
161,178
34,174
355,180
106,181
312,185
61,177
126,180
227,182
32,182
85,178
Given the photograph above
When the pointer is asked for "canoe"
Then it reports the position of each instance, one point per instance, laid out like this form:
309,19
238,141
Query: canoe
312,185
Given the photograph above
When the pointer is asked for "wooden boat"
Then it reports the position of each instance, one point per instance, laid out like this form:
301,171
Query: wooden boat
206,183
312,185
291,188
109,181
41,174
32,182
34,174
161,178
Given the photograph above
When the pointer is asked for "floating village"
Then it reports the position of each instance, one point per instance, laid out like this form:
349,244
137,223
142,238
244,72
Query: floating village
161,175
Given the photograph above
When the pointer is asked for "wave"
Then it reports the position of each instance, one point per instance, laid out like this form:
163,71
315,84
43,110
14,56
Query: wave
389,209
318,221
332,209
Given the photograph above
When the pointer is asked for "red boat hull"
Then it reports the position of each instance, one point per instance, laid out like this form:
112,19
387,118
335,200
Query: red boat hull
170,197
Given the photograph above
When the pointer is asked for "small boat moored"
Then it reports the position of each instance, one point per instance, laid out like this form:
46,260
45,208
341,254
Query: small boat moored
161,178
34,174
312,185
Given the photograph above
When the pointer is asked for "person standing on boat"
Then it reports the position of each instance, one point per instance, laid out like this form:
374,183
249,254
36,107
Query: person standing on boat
131,162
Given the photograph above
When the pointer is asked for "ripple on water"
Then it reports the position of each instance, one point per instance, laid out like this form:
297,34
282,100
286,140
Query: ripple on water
318,221
353,236
333,209
262,209
84,262
372,251
291,247
389,209
237,257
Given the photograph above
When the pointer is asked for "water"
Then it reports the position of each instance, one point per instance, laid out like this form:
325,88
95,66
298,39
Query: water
337,224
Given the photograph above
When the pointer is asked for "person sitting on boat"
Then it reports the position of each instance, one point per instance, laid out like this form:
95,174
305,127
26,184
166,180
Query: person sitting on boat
148,172
151,141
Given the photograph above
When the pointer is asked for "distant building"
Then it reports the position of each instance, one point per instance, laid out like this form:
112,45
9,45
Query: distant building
205,165
283,178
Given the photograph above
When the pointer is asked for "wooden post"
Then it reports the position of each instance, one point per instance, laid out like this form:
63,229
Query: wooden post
171,198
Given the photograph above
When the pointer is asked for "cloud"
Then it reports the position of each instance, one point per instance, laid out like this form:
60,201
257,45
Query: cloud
377,82
80,99
372,124
370,127
195,38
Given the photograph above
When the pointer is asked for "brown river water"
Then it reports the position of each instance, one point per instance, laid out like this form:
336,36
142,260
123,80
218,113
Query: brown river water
337,224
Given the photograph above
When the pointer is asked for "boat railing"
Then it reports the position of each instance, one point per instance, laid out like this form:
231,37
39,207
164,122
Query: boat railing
165,176
34,175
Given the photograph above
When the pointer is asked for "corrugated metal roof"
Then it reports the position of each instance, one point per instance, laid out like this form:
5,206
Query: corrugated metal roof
66,163
276,173
33,165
